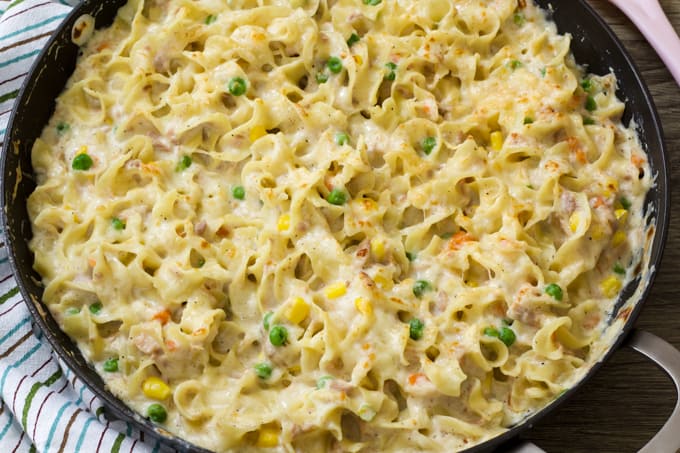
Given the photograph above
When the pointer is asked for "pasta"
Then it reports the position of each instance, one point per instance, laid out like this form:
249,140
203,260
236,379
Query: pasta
350,225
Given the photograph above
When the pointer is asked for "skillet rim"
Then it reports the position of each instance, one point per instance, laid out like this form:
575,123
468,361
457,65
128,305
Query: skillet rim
118,409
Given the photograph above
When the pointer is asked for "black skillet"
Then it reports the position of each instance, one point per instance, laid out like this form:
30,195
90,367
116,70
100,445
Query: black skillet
593,44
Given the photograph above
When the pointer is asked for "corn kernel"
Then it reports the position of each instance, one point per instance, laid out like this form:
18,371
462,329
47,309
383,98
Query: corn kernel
497,140
378,248
155,388
621,215
297,311
268,438
610,286
82,150
574,221
257,132
619,238
363,306
385,283
597,232
335,290
357,58
284,222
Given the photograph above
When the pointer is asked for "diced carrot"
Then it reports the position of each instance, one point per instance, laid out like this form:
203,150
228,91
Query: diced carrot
92,262
171,345
162,316
458,239
413,378
581,156
636,160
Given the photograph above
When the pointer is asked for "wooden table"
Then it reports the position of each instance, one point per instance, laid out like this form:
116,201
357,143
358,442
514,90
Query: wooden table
624,405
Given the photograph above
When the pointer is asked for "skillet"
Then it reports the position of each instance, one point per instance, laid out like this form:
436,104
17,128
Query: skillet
593,44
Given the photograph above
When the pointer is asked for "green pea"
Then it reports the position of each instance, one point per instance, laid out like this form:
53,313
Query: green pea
415,329
71,311
428,144
353,39
322,381
62,127
619,269
337,197
588,121
515,64
157,413
391,71
492,332
238,192
518,19
591,104
587,85
420,287
278,336
528,120
341,138
266,320
507,336
96,308
334,65
237,86
184,163
625,203
372,2
111,365
210,19
82,162
555,291
117,224
321,77
263,370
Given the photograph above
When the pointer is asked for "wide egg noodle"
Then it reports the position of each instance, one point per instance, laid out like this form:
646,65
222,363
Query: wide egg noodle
479,165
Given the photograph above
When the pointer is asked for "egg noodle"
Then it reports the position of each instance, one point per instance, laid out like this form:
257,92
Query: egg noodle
352,225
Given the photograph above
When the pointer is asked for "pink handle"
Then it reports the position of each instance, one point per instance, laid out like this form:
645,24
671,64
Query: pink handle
653,23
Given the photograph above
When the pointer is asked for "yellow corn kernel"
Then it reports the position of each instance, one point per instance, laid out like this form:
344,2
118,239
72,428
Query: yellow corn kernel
574,221
297,310
621,215
82,150
385,283
267,438
597,232
155,388
497,140
335,290
378,249
363,306
257,132
284,222
610,286
619,238
357,58
369,204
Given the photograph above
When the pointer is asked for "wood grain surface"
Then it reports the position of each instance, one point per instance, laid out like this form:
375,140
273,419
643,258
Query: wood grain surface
624,405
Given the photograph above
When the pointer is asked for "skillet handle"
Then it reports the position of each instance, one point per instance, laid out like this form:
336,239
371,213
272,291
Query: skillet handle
651,20
666,357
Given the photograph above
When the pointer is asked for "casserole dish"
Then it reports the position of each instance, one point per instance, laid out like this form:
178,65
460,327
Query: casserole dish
54,67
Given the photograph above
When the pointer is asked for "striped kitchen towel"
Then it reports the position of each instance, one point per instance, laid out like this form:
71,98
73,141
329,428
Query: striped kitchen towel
44,407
